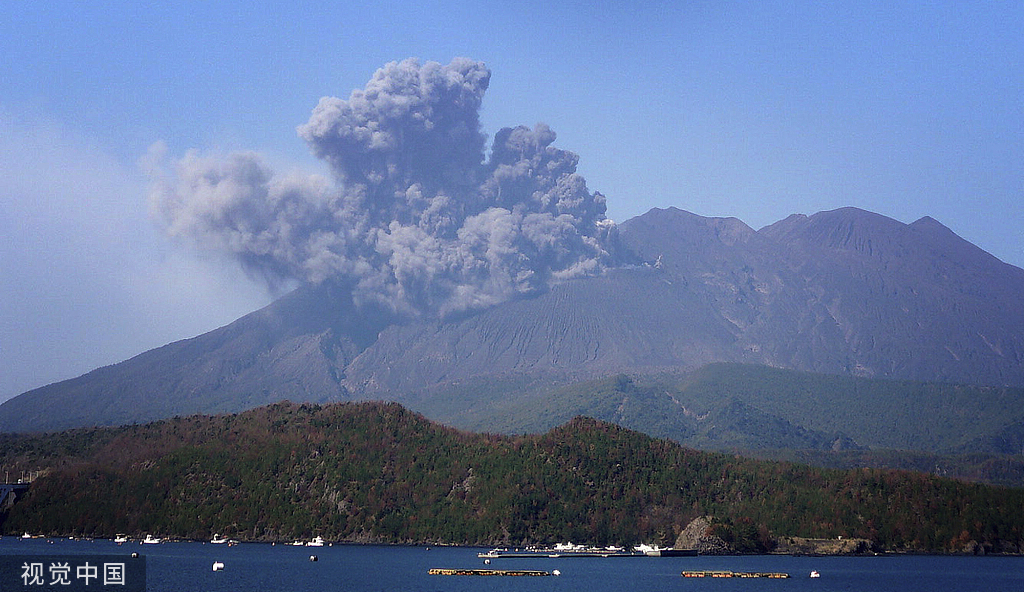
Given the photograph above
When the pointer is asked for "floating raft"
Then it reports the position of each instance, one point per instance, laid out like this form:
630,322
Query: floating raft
486,572
734,574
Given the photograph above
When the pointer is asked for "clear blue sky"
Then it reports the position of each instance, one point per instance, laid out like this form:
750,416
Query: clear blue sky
749,109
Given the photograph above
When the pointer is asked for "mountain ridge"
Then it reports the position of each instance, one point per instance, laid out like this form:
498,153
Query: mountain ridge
844,292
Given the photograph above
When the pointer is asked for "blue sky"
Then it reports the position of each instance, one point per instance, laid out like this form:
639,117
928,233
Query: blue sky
749,109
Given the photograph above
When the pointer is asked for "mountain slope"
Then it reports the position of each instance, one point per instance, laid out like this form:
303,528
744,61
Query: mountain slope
849,292
738,406
949,310
296,348
579,328
844,292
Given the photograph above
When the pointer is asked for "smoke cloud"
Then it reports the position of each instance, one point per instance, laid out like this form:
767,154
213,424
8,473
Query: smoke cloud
416,218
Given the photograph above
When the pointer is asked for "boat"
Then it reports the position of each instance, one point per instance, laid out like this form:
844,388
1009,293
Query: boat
656,551
671,552
218,540
556,552
151,540
316,542
571,550
120,538
815,574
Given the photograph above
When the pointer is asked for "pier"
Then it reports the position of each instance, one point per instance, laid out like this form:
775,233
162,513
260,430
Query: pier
734,574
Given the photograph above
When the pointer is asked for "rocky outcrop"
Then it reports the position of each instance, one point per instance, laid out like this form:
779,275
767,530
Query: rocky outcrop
698,535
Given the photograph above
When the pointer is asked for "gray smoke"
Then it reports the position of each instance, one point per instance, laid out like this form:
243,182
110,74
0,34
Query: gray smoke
417,219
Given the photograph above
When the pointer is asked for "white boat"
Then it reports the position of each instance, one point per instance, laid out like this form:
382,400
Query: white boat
656,551
151,540
316,542
218,540
120,538
815,574
571,550
26,536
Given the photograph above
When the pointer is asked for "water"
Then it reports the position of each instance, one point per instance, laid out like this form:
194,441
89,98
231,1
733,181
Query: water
187,567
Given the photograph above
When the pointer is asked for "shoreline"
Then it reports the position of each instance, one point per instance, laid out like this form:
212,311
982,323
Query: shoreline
137,541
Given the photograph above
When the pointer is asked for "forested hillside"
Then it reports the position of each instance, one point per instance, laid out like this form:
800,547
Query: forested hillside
873,413
376,472
971,432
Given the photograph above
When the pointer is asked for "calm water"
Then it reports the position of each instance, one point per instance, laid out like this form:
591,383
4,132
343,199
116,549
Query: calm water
187,567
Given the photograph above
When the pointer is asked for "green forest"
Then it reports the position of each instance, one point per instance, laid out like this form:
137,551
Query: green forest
969,432
377,472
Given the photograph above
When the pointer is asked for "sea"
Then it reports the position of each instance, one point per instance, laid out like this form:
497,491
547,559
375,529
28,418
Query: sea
258,567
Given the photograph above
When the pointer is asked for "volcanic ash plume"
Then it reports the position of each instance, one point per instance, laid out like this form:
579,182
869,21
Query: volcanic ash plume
417,219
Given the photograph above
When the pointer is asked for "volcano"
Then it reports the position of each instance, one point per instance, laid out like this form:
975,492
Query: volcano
845,292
